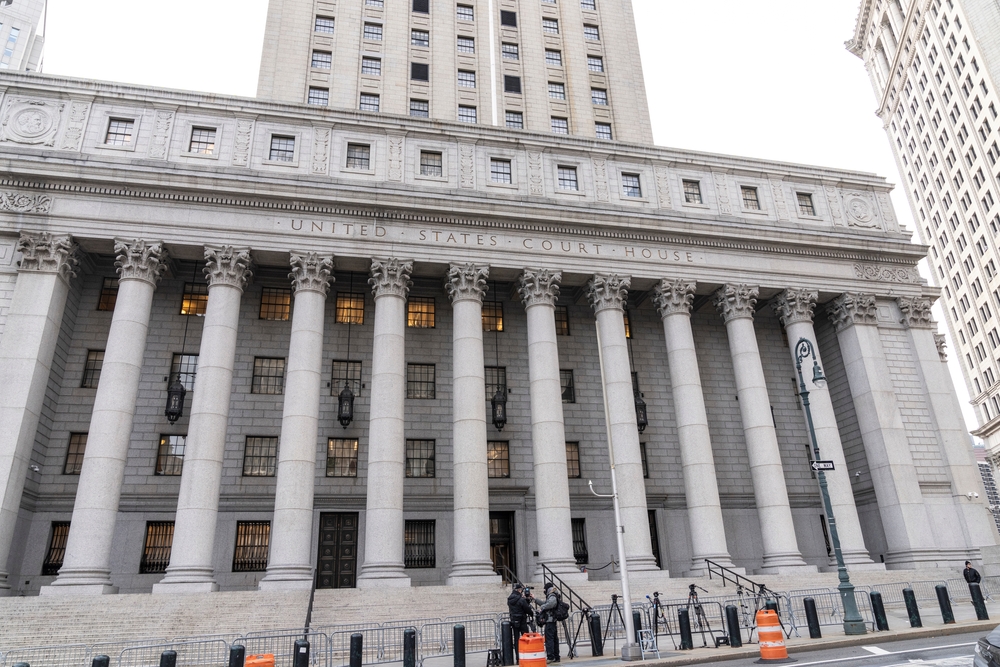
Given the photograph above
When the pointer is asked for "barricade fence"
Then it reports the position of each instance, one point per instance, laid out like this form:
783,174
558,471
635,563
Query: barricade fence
283,647
829,607
436,640
209,653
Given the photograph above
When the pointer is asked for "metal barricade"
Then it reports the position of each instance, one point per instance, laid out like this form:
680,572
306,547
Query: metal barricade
892,594
381,645
924,590
66,655
709,624
209,653
436,640
275,632
958,589
829,607
611,624
283,647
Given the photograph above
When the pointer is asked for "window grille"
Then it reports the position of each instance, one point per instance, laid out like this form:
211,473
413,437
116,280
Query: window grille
373,31
359,156
465,13
550,26
420,72
371,66
421,6
420,312
57,548
202,140
156,553
568,390
510,51
350,308
420,109
602,130
324,24
567,178
496,378
74,453
466,45
170,455
375,3
466,79
595,63
186,367
252,541
573,460
260,456
369,102
631,185
420,458
498,459
508,19
692,192
420,381
282,149
431,164
805,203
562,320
342,457
493,316
512,84
599,97
588,4
561,126
467,114
319,97
346,371
418,539
268,376
500,169
515,120
195,299
750,200
420,38
119,132
322,59
553,58
275,303
591,32
92,369
109,294
580,541
557,91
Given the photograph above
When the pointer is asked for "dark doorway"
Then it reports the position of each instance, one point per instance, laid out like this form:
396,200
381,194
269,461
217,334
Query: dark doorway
502,543
338,550
654,537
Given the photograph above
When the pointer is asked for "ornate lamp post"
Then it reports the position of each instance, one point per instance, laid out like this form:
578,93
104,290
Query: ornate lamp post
854,624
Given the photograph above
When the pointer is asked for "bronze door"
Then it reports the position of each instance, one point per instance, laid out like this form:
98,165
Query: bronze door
338,550
502,543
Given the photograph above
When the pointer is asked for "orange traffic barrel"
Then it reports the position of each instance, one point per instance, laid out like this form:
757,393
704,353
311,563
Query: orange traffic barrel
264,660
531,650
771,638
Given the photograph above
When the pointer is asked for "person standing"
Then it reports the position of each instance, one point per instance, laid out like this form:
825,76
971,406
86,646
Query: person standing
970,574
519,605
547,616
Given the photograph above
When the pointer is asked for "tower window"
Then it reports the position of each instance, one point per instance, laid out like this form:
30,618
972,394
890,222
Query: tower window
324,24
322,59
318,96
508,19
465,13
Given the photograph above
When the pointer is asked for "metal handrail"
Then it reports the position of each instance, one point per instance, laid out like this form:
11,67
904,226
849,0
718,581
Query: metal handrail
507,575
574,598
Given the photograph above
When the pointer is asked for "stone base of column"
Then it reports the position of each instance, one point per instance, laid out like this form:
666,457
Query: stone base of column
568,571
471,574
81,582
856,560
643,575
187,580
699,567
913,559
287,578
382,576
637,564
790,563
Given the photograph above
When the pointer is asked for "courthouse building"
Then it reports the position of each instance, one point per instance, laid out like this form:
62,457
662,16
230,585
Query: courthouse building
266,343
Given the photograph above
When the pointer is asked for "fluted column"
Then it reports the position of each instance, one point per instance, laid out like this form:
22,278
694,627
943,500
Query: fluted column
607,295
191,566
795,308
900,503
383,561
87,565
289,563
539,289
466,286
701,488
781,551
48,264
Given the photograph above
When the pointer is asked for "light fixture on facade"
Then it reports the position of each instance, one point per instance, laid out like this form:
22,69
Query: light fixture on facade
175,390
345,402
499,402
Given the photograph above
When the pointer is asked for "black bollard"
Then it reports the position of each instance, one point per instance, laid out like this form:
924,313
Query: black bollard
911,608
637,624
506,644
357,648
733,622
978,602
878,609
944,601
459,645
301,657
684,621
410,648
21,664
771,604
596,642
101,661
168,659
237,655
812,618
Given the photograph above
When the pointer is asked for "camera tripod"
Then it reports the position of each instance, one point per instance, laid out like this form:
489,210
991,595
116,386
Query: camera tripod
660,615
699,613
611,617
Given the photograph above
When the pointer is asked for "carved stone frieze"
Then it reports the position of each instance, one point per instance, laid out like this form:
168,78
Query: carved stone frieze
601,179
539,286
833,201
139,260
674,296
780,204
467,282
321,150
242,141
311,272
606,291
942,346
31,121
891,274
536,186
795,305
22,202
395,170
163,122
852,308
663,187
467,165
916,312
885,206
73,135
226,265
736,301
390,277
48,254
722,193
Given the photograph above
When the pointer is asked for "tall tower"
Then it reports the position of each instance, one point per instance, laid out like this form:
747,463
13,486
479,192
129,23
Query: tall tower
20,43
935,66
569,67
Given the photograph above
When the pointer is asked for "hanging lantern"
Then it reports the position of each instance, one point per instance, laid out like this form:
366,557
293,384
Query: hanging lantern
499,409
818,378
175,400
641,420
345,405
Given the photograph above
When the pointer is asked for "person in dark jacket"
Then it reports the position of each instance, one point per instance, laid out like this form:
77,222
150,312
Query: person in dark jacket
519,605
970,574
547,615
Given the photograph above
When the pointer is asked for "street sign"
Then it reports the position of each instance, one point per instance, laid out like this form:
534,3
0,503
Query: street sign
821,465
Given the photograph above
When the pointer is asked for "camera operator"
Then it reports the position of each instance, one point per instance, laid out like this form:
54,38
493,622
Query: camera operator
547,617
519,605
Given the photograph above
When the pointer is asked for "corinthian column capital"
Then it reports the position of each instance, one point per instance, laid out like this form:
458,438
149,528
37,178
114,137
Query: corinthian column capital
795,305
539,286
311,272
138,260
391,277
942,346
608,291
674,296
226,265
467,282
45,253
916,312
736,301
852,308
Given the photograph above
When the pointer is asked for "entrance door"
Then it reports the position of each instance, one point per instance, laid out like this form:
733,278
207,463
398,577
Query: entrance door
502,543
654,537
338,550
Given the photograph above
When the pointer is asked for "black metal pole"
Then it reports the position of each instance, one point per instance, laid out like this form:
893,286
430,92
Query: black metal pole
978,602
878,609
596,643
357,649
506,643
733,622
911,608
812,618
684,622
459,645
944,601
410,647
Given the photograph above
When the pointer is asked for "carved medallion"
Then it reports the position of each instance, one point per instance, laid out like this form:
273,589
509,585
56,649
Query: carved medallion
33,122
860,212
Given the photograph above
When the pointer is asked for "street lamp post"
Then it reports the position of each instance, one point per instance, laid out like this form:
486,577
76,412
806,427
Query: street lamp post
854,624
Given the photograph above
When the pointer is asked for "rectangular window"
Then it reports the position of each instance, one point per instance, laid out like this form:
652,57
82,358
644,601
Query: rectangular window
322,59
371,66
195,299
562,320
119,132
318,96
550,26
750,200
282,148
512,84
170,455
553,58
109,294
579,527
420,38
202,140
342,457
514,120
359,156
560,126
465,13
373,31
692,192
420,458
324,24
592,33
466,79
252,541
805,203
260,456
421,6
557,91
567,178
628,325
350,308
595,63
275,304
92,369
57,548
420,312
573,460
184,367
498,459
420,109
345,371
568,389
268,376
369,102
631,185
510,51
467,114
156,552
588,4
74,453
645,464
375,3
496,380
466,45
603,130
420,381
431,164
500,170
599,97
508,19
418,541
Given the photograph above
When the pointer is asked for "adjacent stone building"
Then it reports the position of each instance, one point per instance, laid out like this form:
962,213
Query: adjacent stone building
21,21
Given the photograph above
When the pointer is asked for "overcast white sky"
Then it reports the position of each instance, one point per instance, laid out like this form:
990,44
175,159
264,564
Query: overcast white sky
762,78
